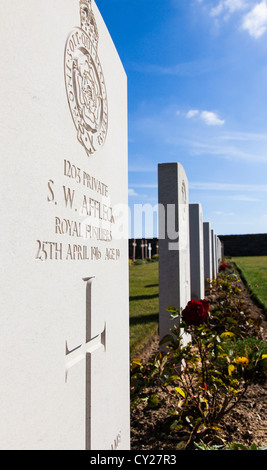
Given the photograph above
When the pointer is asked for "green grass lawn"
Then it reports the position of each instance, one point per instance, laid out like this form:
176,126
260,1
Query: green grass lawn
254,271
144,308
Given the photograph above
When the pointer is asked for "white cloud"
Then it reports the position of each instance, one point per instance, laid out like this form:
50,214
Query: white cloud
132,192
211,186
216,11
255,22
181,69
228,7
228,152
244,198
211,119
191,113
145,185
254,19
223,213
235,5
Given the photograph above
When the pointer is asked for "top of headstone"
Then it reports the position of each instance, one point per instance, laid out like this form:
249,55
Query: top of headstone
88,22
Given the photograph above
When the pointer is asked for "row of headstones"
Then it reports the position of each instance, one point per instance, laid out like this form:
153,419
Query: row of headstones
189,249
143,249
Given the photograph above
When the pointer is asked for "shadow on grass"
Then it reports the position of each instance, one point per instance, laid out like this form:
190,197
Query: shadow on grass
143,297
152,317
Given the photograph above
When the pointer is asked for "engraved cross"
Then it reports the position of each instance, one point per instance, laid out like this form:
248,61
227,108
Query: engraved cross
75,355
84,351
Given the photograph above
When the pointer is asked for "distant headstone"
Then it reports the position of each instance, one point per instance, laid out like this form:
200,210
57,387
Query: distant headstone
64,288
219,250
207,253
134,249
213,251
174,261
142,249
196,252
216,254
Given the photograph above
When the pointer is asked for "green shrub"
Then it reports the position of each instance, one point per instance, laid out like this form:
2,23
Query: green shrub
139,261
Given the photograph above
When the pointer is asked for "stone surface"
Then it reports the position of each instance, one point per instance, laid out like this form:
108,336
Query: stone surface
64,342
174,261
196,252
213,250
207,253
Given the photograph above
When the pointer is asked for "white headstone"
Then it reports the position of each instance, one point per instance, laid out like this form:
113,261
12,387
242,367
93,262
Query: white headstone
174,260
142,249
207,253
134,248
219,250
196,252
213,251
64,343
216,253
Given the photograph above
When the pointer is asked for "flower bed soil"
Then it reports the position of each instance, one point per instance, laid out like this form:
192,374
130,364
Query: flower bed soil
245,424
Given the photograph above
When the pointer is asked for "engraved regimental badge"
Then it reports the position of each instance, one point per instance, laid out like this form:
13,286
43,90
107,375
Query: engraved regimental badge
84,80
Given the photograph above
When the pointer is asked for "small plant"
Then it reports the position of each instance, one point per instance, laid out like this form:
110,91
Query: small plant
139,261
236,446
205,386
247,356
207,377
202,446
227,310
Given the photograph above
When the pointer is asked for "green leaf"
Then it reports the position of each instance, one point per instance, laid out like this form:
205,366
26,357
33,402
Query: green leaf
153,401
172,309
166,339
227,335
174,315
253,447
231,369
231,320
179,390
201,428
175,377
137,361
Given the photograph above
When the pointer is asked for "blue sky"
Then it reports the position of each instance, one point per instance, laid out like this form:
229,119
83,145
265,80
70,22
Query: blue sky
197,94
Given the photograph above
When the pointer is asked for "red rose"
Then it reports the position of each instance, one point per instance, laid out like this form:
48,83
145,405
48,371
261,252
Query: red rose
223,267
195,312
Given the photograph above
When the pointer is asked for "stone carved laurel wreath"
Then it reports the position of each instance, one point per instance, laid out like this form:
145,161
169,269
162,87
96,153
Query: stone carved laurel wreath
84,81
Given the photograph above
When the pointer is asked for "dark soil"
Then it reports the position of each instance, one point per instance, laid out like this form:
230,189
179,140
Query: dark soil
245,424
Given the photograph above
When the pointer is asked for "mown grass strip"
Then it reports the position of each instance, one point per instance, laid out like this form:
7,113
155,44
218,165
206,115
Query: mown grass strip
144,308
253,270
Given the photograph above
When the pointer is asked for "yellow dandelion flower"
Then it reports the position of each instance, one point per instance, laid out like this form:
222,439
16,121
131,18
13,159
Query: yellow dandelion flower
243,361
